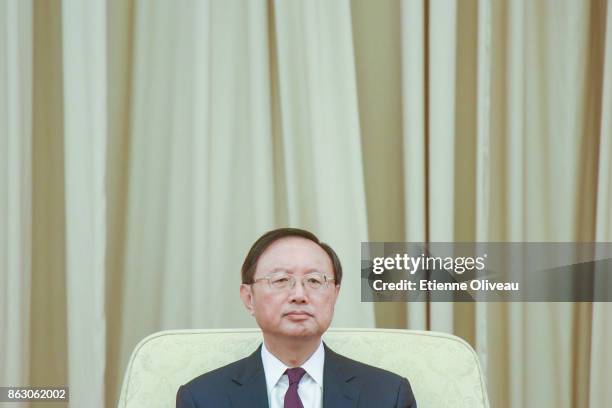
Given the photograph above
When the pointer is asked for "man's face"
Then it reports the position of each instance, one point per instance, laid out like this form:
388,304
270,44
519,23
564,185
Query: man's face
298,311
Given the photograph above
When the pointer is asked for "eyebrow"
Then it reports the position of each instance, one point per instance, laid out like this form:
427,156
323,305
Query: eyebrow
278,270
275,270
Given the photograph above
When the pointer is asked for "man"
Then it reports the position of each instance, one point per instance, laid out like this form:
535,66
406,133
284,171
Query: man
290,283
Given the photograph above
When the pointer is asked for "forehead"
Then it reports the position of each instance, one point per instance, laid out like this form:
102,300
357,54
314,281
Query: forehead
294,254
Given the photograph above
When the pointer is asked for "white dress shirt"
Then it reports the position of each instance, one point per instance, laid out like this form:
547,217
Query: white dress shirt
310,388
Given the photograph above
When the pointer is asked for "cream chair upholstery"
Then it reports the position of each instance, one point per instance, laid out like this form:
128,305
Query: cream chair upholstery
443,369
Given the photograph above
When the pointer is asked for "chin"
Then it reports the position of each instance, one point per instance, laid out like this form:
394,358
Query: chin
301,331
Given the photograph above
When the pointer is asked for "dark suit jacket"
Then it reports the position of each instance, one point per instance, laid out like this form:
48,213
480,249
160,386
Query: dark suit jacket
346,383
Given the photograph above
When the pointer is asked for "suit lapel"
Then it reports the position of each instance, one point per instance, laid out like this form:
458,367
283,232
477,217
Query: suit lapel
338,392
250,377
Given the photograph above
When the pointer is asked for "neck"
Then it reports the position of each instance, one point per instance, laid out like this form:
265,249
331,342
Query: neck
292,352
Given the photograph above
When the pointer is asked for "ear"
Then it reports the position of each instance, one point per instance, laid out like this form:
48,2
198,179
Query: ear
246,294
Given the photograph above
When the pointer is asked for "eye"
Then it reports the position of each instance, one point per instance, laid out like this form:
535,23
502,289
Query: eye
280,281
314,282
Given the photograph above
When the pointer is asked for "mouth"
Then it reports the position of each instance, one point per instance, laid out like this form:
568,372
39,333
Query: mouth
297,314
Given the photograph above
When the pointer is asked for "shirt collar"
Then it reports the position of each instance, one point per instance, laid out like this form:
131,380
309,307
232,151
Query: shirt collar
274,368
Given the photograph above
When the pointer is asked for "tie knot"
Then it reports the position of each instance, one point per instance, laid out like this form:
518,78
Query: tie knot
295,374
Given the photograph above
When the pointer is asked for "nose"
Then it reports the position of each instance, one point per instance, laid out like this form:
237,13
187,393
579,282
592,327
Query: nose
298,292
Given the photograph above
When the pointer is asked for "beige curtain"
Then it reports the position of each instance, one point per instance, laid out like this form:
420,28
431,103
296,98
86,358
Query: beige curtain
505,122
599,391
164,142
15,189
146,144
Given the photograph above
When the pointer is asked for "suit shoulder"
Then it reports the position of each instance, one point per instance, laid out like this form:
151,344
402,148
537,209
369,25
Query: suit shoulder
212,380
379,387
215,388
369,371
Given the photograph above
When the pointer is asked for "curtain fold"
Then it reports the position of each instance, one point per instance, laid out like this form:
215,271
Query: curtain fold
414,91
600,393
15,189
85,132
49,359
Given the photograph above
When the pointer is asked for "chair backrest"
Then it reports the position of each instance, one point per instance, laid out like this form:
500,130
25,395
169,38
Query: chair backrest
443,370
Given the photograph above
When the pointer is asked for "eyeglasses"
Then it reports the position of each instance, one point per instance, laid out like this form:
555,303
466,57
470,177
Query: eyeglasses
280,281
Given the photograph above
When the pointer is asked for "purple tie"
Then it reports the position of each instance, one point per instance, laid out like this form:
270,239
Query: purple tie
292,399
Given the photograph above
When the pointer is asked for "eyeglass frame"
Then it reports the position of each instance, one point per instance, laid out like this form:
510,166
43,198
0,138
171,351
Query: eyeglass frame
293,280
